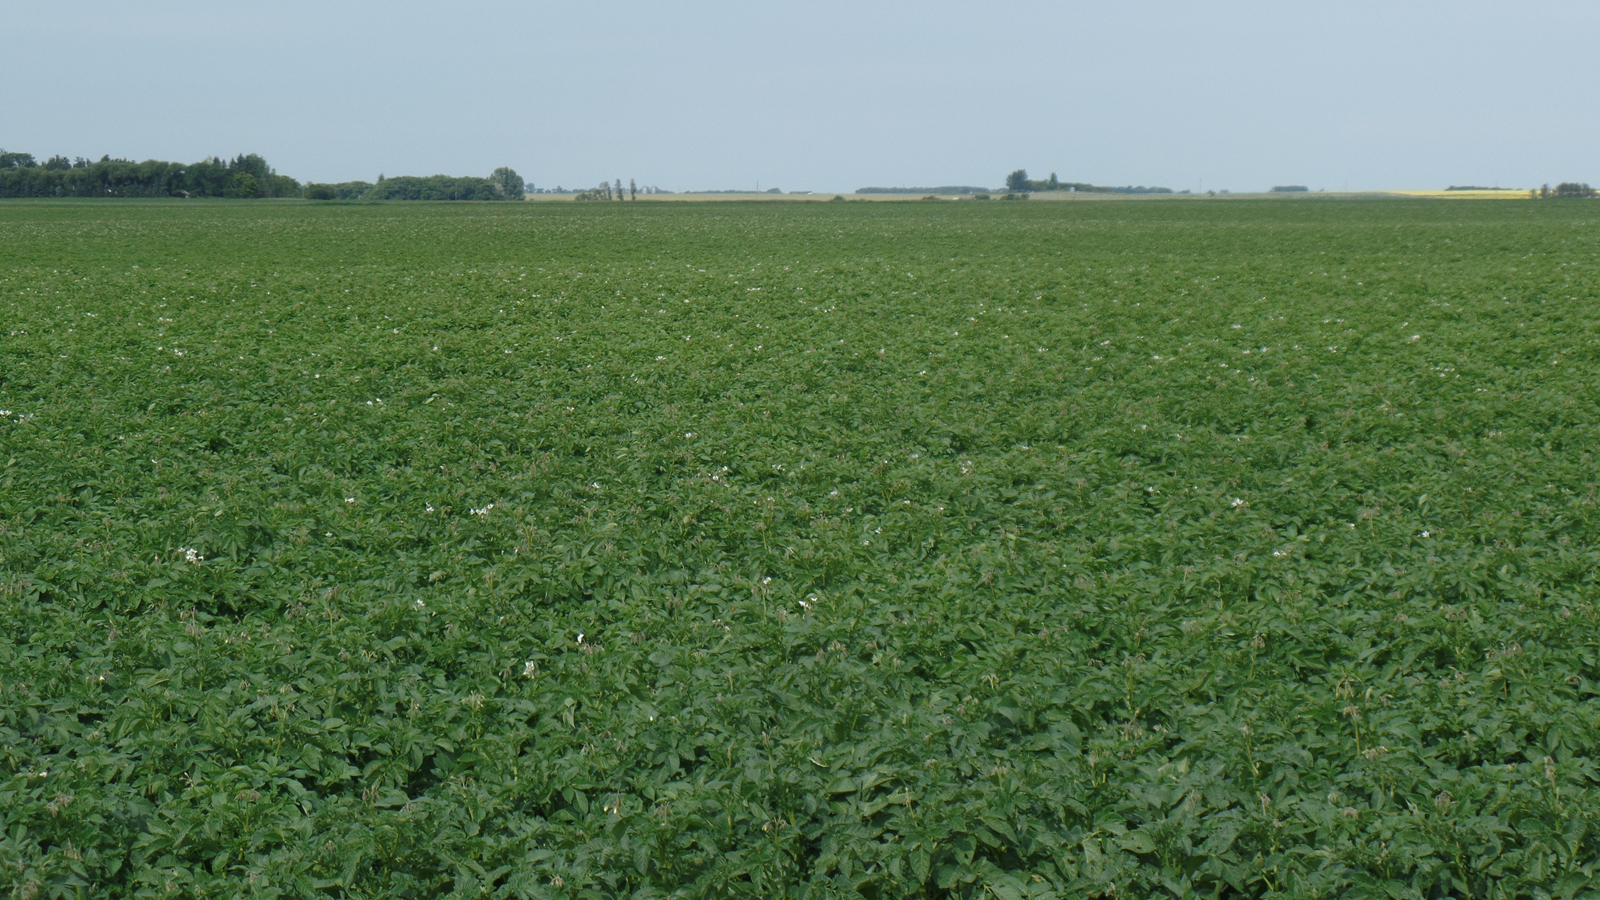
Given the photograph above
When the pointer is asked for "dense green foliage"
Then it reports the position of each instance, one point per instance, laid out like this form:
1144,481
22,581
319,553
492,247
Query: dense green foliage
883,550
245,176
344,190
439,187
507,183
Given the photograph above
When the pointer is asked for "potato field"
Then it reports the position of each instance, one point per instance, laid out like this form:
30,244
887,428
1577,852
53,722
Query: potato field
1218,548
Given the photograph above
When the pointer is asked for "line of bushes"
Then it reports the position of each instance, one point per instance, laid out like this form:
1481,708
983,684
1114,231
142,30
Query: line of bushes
502,184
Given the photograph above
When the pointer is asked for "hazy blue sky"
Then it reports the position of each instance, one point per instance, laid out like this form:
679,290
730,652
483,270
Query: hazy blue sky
828,95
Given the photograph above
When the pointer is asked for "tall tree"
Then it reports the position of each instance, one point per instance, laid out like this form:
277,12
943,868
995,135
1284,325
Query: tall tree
508,183
1017,181
633,190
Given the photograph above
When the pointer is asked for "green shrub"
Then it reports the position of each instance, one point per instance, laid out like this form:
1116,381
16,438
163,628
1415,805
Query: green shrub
243,185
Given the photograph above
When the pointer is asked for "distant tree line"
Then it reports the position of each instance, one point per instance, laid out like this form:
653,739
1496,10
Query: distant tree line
246,175
1566,190
433,187
344,190
502,184
1019,183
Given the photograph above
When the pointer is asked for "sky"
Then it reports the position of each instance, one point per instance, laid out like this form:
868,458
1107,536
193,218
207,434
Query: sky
826,95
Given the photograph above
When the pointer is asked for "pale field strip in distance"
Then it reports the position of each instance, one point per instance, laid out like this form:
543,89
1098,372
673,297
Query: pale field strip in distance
1057,196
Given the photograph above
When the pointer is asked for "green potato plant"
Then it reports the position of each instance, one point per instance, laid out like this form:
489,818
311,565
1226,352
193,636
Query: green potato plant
830,550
